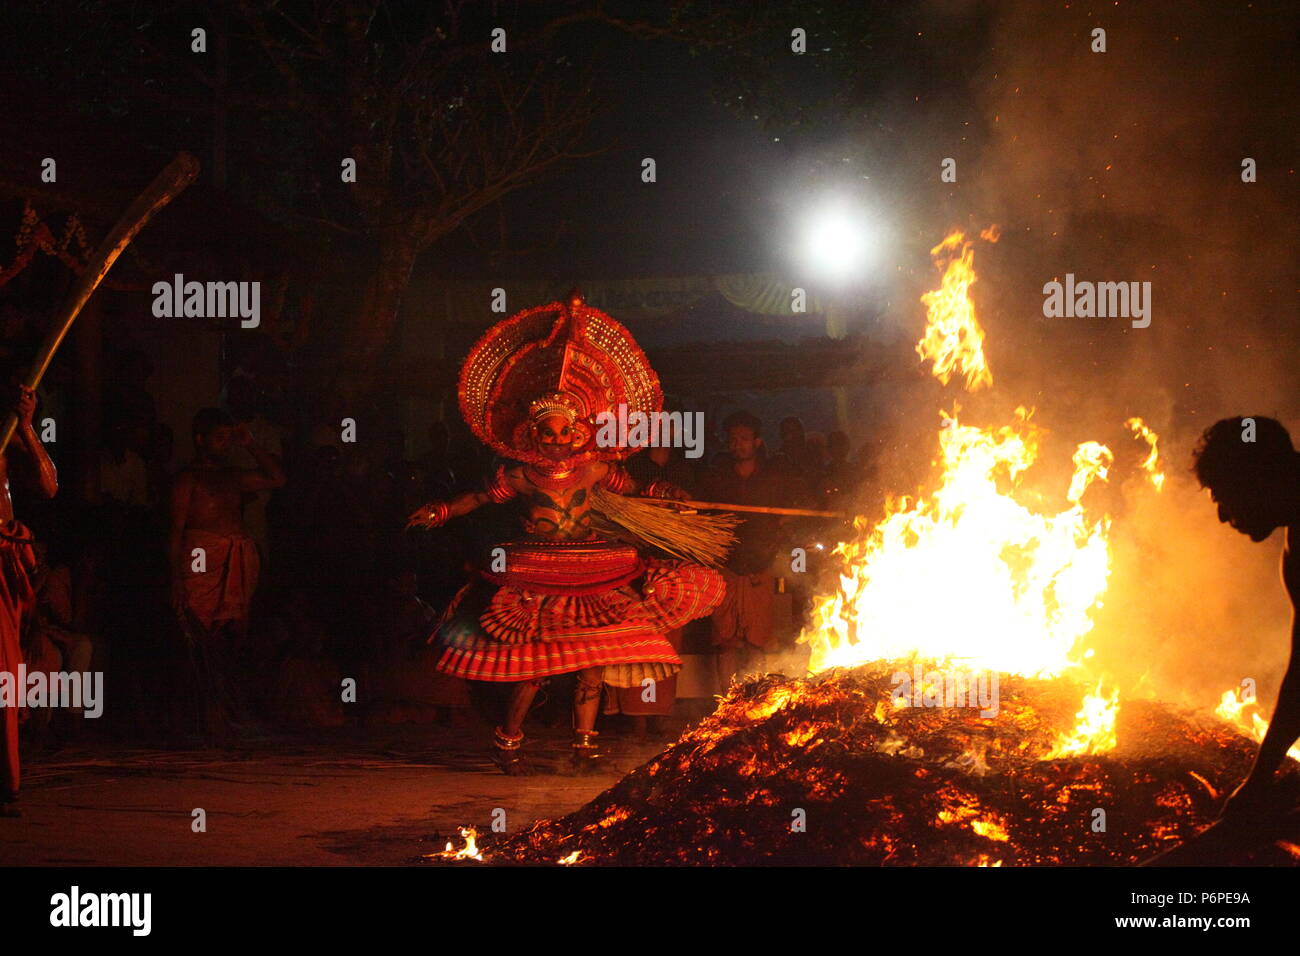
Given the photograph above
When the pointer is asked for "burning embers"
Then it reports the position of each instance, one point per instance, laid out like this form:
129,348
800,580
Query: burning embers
947,688
828,770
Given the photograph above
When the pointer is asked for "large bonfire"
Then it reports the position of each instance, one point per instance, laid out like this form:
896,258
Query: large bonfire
954,713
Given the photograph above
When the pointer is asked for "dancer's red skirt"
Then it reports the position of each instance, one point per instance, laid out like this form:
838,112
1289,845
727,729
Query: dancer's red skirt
560,607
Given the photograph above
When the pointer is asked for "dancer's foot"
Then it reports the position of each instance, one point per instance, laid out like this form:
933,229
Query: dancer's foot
507,753
586,752
513,765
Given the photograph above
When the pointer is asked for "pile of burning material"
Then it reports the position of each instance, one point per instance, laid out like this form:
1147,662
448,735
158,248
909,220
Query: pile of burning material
837,769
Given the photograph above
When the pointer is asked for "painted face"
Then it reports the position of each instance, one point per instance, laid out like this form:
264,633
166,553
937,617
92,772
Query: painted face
555,437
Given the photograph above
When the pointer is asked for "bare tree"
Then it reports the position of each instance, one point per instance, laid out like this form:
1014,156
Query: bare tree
443,115
439,123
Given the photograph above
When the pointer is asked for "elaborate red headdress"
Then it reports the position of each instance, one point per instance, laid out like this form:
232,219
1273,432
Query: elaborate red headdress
562,358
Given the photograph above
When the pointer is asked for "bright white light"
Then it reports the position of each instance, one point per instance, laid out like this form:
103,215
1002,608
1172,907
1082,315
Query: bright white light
836,241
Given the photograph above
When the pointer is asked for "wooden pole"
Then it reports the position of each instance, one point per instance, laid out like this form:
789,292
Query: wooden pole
87,391
169,184
754,509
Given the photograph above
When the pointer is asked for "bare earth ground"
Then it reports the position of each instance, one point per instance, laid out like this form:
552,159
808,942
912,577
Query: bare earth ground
344,797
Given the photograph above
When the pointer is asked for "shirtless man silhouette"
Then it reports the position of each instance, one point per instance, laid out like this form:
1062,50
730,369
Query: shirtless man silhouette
214,561
1252,472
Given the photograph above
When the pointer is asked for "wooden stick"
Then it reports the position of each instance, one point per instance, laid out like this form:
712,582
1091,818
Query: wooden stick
169,184
755,509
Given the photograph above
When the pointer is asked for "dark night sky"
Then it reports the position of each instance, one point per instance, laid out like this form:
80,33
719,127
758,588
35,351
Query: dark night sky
703,215
1121,165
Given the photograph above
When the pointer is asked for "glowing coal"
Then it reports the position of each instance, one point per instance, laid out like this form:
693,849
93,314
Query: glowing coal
875,783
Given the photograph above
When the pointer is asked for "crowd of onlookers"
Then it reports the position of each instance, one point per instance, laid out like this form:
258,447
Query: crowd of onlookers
334,587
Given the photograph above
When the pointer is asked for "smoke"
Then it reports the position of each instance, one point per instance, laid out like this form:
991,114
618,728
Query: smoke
1126,166
1193,608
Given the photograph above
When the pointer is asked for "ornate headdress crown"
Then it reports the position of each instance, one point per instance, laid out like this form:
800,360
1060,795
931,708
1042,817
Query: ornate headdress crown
553,403
562,358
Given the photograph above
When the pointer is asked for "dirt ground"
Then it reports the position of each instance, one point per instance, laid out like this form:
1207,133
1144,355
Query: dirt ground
347,797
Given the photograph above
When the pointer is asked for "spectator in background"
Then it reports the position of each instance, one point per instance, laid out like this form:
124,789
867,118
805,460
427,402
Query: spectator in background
243,402
213,560
792,458
53,639
120,565
662,464
756,616
124,514
55,611
123,476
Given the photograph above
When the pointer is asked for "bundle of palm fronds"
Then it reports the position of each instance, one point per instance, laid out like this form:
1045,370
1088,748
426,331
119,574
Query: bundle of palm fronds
702,538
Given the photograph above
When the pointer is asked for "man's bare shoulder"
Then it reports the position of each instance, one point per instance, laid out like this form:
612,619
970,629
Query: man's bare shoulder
1291,563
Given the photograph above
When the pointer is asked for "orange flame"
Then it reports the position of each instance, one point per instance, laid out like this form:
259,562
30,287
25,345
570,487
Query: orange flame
469,851
1232,708
1151,464
954,340
1094,730
970,572
1092,460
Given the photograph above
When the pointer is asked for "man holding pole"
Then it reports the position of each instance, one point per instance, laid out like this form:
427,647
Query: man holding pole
16,556
758,611
17,560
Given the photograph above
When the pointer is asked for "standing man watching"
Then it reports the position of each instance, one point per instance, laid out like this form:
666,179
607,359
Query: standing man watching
214,561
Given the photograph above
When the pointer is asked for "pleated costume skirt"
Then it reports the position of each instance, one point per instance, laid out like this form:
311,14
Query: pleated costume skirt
559,607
